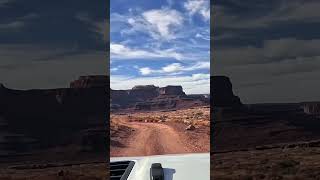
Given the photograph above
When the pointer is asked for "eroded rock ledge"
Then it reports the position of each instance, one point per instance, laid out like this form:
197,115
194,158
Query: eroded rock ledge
151,97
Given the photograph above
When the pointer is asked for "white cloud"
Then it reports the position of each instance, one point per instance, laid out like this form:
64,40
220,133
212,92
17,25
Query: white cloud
131,21
203,36
163,22
172,68
175,68
193,84
157,34
160,24
119,51
114,69
199,65
145,71
201,7
200,76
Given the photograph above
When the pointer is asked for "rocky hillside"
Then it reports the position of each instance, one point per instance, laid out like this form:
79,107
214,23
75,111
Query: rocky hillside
39,119
222,93
311,108
90,81
237,126
151,97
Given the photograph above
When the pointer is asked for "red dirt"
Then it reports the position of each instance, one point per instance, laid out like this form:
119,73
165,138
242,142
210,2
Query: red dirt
159,138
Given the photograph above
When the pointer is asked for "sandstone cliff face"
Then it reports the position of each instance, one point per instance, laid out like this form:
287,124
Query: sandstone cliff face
251,126
154,98
171,90
311,108
142,93
222,93
51,117
90,82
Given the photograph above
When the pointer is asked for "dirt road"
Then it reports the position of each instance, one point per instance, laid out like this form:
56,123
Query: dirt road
152,139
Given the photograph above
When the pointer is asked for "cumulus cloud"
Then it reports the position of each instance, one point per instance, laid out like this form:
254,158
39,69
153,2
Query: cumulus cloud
203,36
145,71
165,39
176,68
160,24
172,68
114,69
163,22
200,7
119,51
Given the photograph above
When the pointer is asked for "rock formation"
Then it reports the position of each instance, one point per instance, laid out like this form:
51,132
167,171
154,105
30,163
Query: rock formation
150,97
311,108
90,82
171,90
222,93
252,126
31,119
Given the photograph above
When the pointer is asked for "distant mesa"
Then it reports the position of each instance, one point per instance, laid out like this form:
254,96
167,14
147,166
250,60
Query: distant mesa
53,117
172,90
144,87
312,108
222,93
150,97
261,125
90,81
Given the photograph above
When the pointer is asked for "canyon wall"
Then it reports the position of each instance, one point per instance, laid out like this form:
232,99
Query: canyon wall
151,97
46,118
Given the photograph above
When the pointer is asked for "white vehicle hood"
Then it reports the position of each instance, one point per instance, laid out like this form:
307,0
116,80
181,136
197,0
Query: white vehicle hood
195,166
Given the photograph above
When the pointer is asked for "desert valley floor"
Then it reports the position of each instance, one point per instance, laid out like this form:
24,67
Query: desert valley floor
160,132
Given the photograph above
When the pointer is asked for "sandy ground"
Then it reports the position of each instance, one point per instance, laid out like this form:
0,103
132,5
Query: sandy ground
285,163
55,164
155,138
83,171
152,139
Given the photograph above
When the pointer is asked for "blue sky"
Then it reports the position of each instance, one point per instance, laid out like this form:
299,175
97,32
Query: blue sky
165,42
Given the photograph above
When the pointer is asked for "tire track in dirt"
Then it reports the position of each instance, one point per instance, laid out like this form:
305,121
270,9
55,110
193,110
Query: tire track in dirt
151,139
